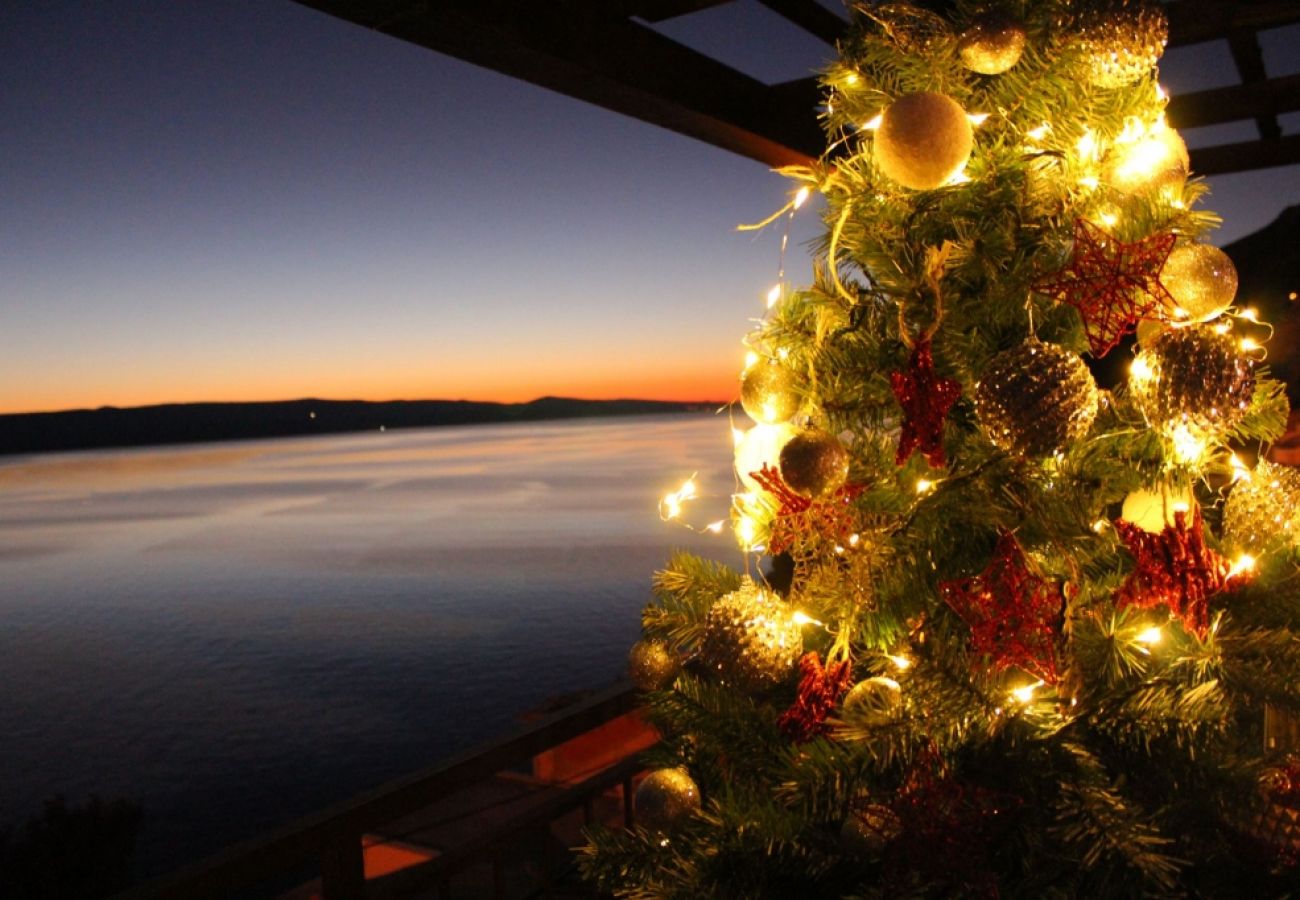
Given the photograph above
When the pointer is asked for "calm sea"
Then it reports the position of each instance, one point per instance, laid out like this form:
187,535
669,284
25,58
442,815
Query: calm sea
237,634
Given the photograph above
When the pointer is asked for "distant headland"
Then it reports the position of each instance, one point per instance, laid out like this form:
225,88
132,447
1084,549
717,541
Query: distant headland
186,423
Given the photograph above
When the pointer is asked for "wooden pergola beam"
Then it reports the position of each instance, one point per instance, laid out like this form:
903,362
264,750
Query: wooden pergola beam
1225,158
1197,21
1266,99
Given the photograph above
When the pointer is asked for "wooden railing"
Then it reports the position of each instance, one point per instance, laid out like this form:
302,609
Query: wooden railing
331,841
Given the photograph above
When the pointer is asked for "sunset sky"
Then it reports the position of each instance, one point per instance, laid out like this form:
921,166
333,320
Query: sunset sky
249,200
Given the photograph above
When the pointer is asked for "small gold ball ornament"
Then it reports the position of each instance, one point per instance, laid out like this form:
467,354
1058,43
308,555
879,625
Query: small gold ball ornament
751,638
1262,511
768,393
992,44
1153,510
651,665
1036,398
876,700
924,139
1202,280
1120,40
814,463
1155,161
1193,377
665,798
869,830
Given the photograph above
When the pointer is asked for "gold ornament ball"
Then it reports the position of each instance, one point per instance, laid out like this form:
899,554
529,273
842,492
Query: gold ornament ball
665,798
924,139
751,638
992,44
768,393
869,830
1120,40
1202,280
1157,160
1193,377
1153,510
1262,511
651,665
1036,398
814,463
761,445
875,700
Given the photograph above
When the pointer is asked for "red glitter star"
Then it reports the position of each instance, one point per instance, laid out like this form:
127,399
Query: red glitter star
1175,569
820,689
1013,614
831,517
1112,284
926,399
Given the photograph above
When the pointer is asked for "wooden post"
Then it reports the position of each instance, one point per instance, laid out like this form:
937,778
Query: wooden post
343,867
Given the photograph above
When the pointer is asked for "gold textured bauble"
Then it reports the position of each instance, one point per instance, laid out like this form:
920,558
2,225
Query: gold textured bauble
751,638
1153,510
651,665
924,139
1202,280
1036,398
1194,377
992,44
760,446
1120,40
1157,160
874,700
814,463
665,798
910,27
1262,511
869,830
768,393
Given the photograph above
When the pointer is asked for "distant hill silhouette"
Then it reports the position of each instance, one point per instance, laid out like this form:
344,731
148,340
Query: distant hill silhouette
182,423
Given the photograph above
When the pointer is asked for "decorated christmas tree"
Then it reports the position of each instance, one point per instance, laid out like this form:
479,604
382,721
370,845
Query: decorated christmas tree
999,629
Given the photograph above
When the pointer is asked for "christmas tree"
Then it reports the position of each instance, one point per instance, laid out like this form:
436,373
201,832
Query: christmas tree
999,629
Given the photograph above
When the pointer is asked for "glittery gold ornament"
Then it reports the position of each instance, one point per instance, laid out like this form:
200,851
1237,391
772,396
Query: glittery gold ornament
651,665
908,26
1153,510
1263,509
874,700
992,44
1156,159
814,463
751,638
924,139
1120,40
1193,377
869,830
768,393
665,798
1036,398
1202,280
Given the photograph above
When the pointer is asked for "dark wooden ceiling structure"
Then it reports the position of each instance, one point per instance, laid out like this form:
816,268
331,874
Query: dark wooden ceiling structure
606,52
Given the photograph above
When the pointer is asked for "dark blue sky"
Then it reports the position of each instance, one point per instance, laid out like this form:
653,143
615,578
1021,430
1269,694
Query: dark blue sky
246,199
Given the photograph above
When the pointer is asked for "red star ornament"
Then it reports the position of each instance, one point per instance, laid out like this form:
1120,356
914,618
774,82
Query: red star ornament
830,517
1175,569
1014,615
1112,284
925,399
820,689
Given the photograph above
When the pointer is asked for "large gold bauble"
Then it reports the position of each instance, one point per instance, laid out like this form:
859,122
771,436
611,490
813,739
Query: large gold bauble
769,394
760,446
992,44
869,830
814,463
751,638
1036,398
875,701
1262,511
665,798
924,139
652,665
1120,40
1155,161
1193,377
1202,280
1153,510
